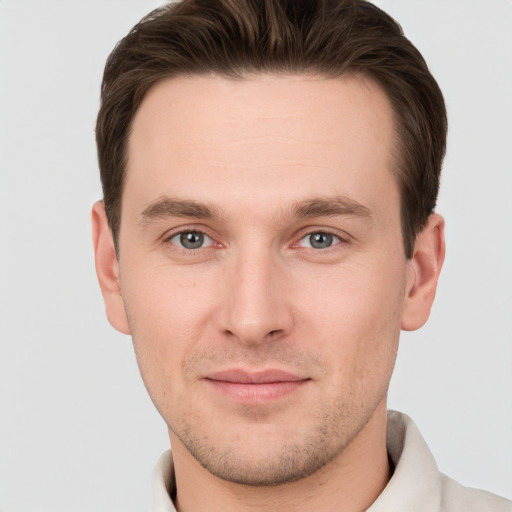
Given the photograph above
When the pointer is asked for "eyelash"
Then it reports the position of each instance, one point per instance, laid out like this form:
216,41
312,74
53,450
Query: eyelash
337,240
190,232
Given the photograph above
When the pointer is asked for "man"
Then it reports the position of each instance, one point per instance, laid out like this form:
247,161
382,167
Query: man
270,173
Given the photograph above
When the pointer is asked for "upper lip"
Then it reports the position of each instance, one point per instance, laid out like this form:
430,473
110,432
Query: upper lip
239,376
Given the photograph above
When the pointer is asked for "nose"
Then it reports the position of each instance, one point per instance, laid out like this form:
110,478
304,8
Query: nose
257,306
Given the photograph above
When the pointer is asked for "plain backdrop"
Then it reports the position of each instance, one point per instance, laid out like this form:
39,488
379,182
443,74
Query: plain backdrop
77,431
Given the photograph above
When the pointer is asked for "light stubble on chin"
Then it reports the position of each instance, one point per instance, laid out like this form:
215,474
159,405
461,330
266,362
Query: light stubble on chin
290,463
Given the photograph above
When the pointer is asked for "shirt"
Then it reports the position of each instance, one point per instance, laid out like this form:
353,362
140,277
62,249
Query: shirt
416,484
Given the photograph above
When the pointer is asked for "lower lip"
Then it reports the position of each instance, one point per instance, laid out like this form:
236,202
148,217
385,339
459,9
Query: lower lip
256,393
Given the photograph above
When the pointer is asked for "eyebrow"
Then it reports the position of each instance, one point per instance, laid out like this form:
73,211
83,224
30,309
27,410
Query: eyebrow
330,207
165,207
170,207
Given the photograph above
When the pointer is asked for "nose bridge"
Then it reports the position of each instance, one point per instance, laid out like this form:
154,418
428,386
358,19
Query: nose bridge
257,306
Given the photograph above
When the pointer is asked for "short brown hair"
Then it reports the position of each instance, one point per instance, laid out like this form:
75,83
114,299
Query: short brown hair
235,38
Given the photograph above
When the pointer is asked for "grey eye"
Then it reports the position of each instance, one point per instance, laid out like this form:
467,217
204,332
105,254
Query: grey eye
319,240
191,240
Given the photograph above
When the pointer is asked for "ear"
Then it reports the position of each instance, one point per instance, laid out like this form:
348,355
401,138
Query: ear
422,273
107,269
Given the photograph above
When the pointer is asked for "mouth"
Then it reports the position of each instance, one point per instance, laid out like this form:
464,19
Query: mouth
255,387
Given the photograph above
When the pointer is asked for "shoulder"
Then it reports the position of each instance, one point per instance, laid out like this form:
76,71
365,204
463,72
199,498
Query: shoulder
457,498
418,485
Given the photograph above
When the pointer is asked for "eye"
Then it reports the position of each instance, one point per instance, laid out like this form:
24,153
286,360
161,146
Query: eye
319,240
191,240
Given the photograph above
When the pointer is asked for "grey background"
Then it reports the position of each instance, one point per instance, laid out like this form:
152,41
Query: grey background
77,431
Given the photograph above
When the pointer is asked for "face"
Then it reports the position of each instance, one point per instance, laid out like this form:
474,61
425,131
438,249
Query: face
262,268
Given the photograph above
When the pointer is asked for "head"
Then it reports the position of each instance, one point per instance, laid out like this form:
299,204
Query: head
270,170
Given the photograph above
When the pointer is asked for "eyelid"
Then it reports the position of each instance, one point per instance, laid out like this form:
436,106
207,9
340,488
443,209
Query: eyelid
207,240
177,231
308,235
341,236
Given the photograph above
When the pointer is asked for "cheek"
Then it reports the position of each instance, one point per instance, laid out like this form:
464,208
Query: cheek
167,300
360,297
167,312
354,320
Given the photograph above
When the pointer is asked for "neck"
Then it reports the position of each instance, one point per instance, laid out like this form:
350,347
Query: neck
351,482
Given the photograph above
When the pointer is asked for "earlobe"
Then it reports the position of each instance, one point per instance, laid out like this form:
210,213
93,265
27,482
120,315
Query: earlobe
107,269
423,273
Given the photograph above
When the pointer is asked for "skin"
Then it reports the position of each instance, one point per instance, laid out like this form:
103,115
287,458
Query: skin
252,171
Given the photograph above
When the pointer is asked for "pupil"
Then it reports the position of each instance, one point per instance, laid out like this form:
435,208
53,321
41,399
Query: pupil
192,240
320,240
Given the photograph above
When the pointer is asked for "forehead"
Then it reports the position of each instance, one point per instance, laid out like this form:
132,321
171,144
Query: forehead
195,135
313,103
